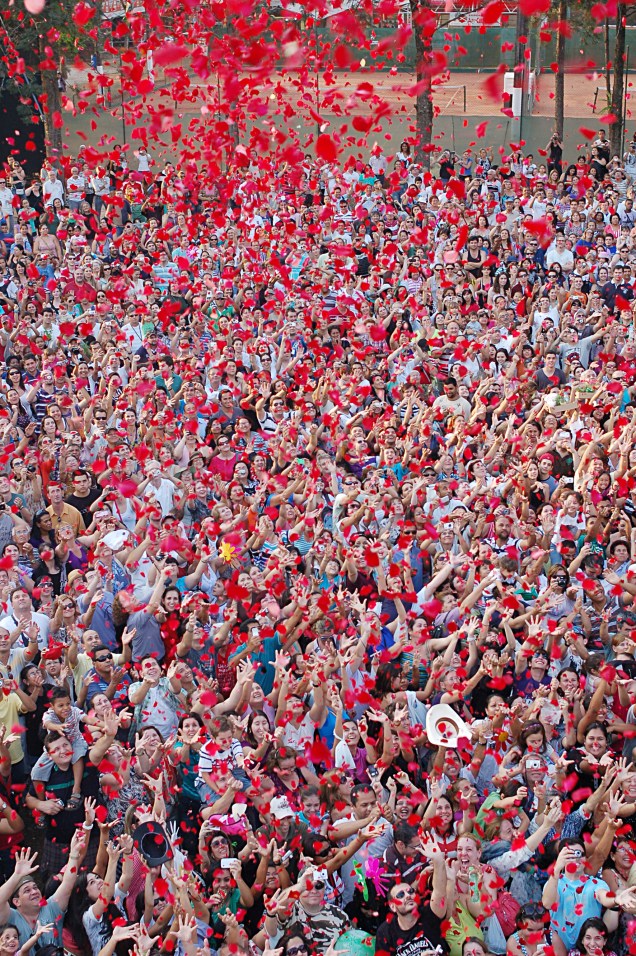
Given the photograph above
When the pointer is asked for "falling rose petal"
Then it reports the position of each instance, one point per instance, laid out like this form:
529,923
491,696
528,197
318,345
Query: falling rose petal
82,13
493,85
169,53
491,14
326,148
531,8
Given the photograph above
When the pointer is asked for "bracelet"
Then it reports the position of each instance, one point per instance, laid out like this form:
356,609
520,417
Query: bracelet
88,827
3,806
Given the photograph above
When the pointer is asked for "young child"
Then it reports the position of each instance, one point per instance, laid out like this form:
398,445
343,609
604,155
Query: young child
220,759
66,719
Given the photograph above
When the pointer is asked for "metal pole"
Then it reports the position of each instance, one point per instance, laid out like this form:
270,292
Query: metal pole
317,65
521,63
121,91
625,84
519,76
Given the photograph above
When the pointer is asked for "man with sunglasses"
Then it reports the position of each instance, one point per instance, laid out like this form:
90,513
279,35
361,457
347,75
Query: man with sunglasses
103,677
82,661
414,924
323,922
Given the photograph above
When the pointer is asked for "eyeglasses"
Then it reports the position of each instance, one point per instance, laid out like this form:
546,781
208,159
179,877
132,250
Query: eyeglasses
102,660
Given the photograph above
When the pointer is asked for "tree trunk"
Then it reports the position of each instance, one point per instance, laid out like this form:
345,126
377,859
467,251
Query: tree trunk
608,69
423,35
559,80
51,104
618,85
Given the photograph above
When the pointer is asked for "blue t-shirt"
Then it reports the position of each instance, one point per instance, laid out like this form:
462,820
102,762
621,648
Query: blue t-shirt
50,913
264,676
102,621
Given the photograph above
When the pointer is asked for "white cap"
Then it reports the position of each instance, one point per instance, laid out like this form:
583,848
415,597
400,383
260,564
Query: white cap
444,727
280,808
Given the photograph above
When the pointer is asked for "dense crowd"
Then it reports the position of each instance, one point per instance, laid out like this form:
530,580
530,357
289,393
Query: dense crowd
318,541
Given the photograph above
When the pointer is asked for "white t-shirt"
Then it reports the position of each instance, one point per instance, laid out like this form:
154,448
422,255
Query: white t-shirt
76,186
10,623
99,931
164,495
564,258
6,201
143,162
299,738
52,191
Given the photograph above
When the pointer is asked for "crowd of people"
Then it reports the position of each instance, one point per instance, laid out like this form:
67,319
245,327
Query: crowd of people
317,556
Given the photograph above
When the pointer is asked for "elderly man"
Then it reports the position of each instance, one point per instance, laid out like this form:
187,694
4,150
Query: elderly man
52,188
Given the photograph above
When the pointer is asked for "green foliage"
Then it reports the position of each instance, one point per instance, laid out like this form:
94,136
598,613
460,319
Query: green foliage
25,37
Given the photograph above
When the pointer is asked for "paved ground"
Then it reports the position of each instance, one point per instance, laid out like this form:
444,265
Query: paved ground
581,90
462,102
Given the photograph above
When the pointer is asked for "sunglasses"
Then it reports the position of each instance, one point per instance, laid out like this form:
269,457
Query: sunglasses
532,911
102,660
294,950
402,894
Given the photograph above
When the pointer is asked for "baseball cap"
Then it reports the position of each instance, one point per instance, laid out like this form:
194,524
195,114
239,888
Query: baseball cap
280,808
